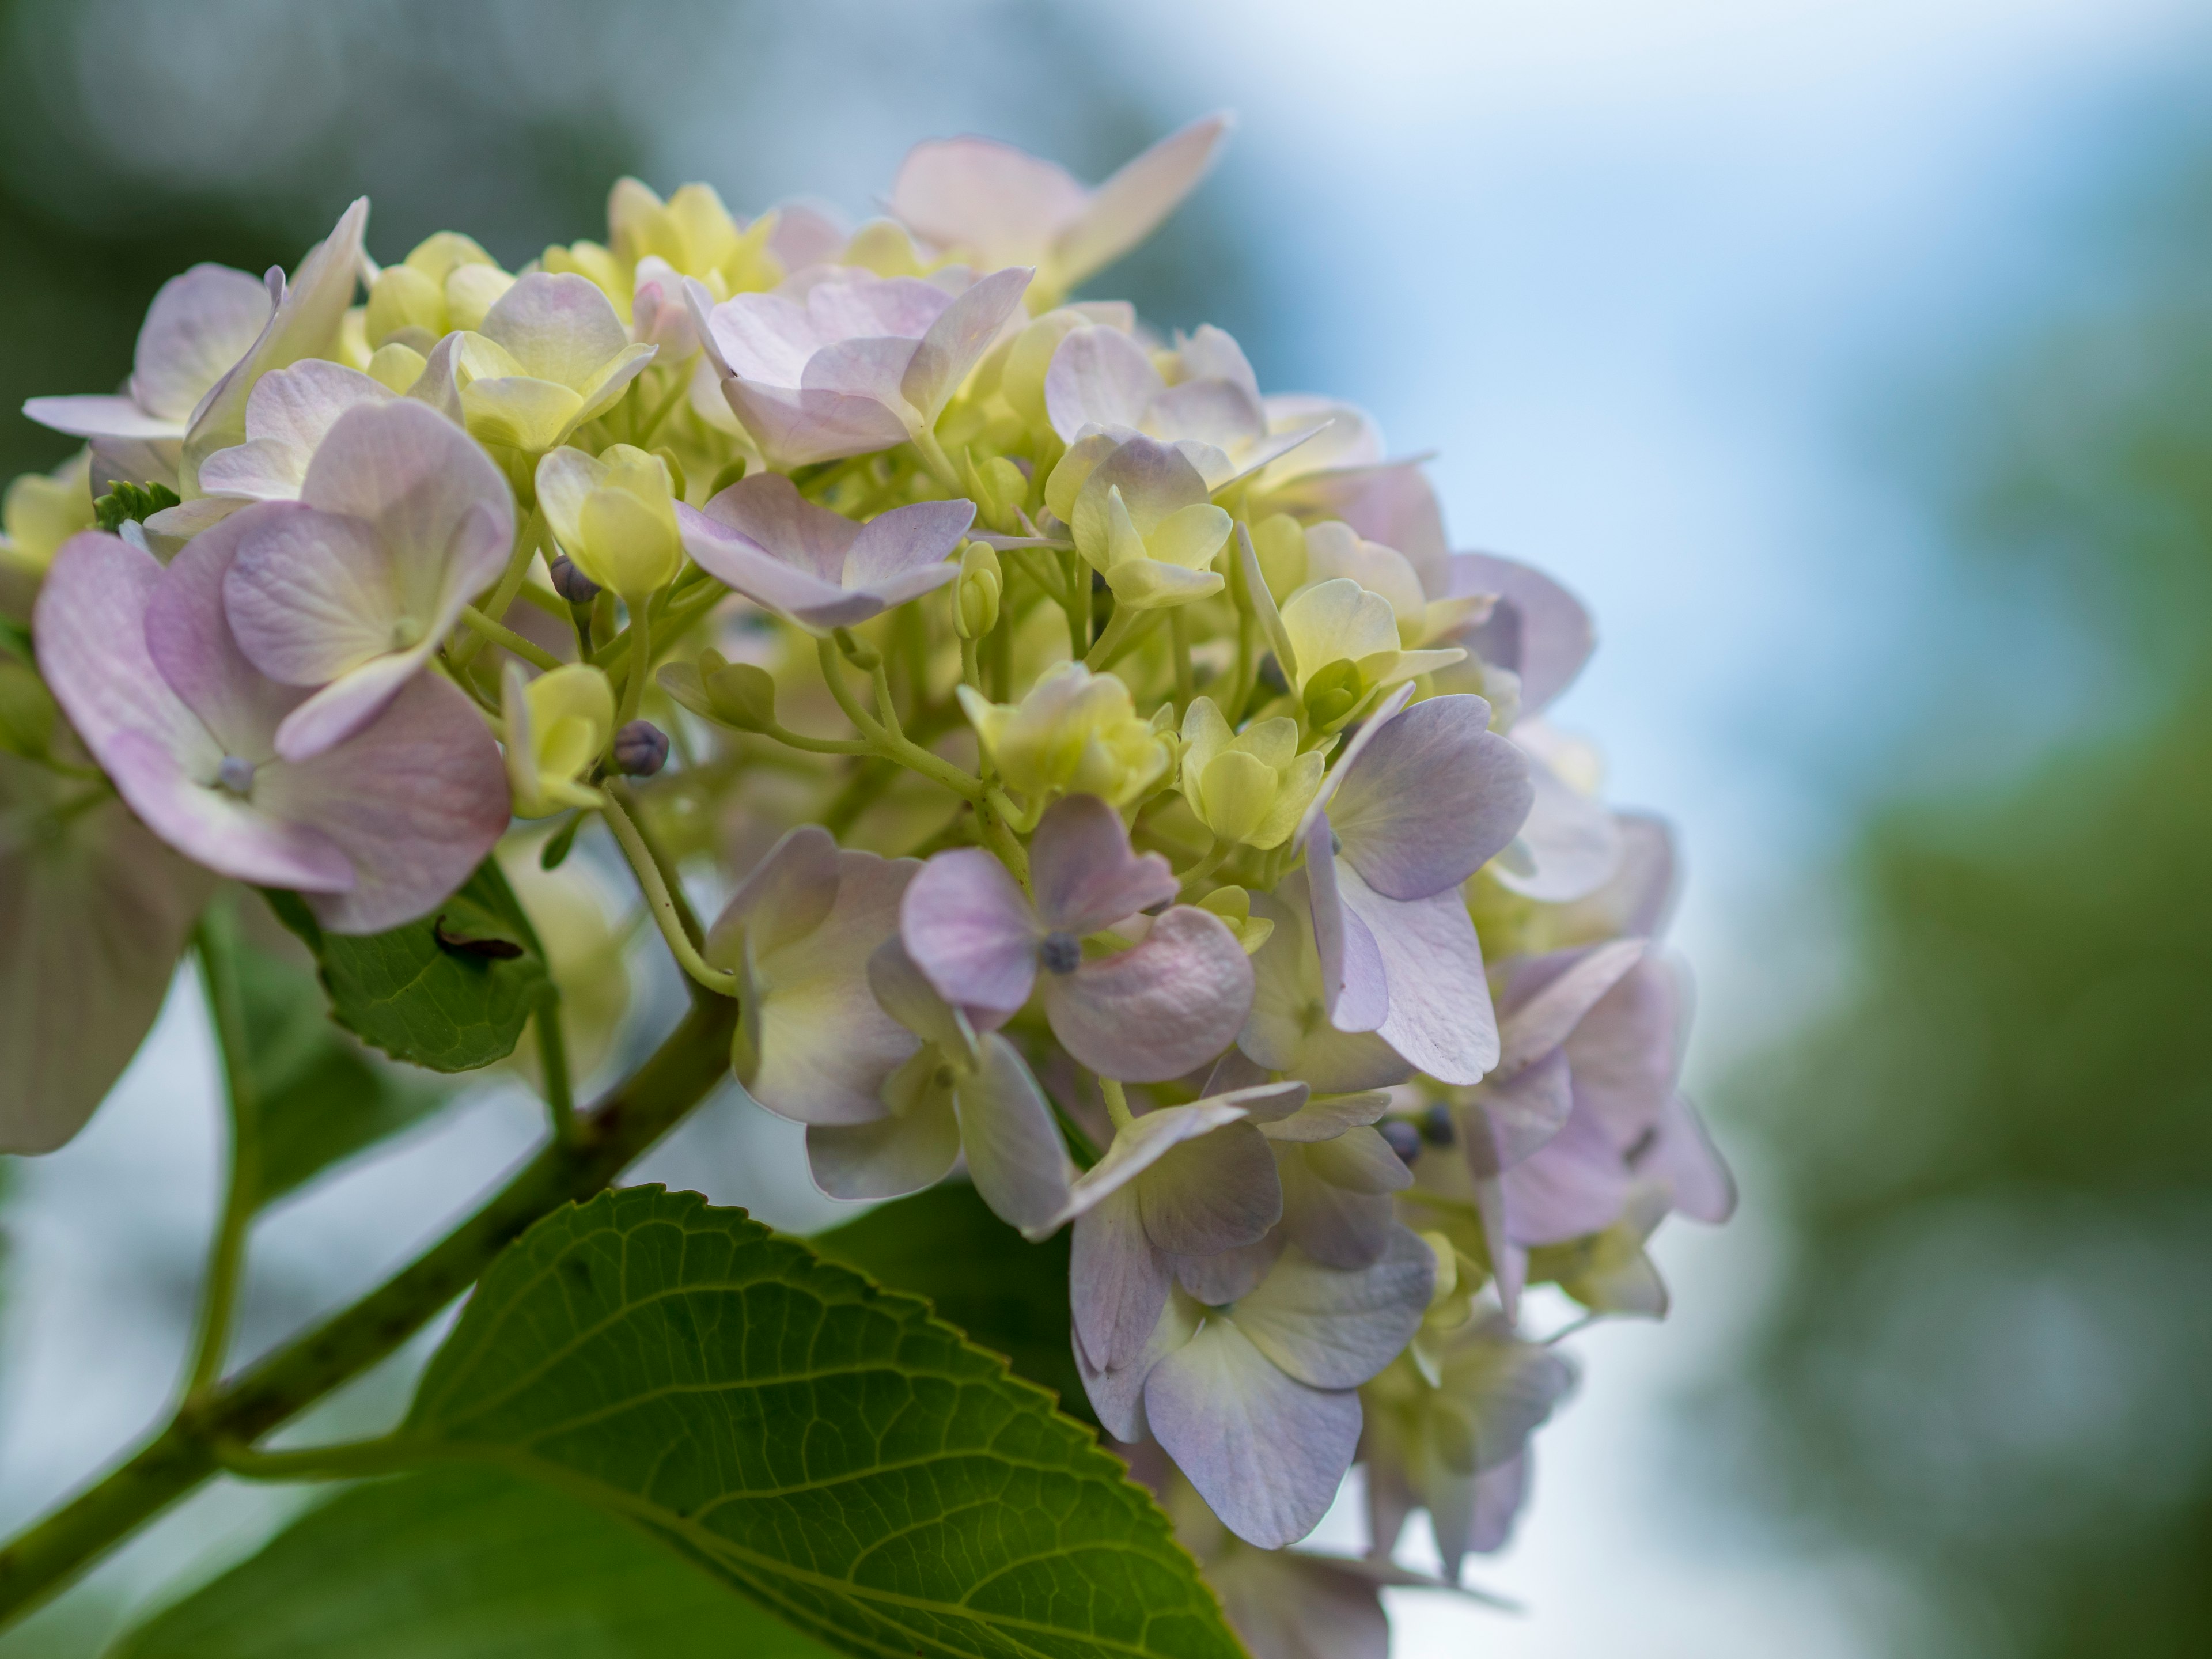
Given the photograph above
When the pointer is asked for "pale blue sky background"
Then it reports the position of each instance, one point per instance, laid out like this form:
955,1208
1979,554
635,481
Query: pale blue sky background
1658,281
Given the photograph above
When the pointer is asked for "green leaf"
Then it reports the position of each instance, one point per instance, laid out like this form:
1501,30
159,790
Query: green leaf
451,992
1006,1294
820,1444
129,502
318,1096
462,1564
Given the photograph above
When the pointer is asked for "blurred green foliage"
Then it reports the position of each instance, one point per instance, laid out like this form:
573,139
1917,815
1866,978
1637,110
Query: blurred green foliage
1986,1363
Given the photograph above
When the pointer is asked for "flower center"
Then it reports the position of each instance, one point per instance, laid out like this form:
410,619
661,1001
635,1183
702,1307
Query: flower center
406,633
1335,842
235,774
1061,953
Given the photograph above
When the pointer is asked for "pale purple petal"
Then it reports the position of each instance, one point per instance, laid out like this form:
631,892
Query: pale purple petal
200,323
1430,799
969,930
305,324
440,503
767,510
1218,1192
1360,1161
1117,1283
979,195
896,546
786,896
414,801
1162,1008
1500,1495
1333,1329
1154,479
89,625
960,335
1391,503
1015,1155
1546,998
902,993
887,1158
743,564
1118,1395
310,594
1354,988
1682,1155
1288,1606
1326,1117
1226,1275
1627,1052
92,921
348,704
1538,629
1129,206
1267,1454
1146,1140
288,415
100,415
1572,844
192,646
1287,1030
1333,1224
1211,411
869,368
1508,1120
824,1047
797,428
1098,377
762,337
1082,871
1440,1016
1576,1183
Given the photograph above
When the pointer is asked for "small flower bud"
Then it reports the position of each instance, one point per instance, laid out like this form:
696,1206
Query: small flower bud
1234,905
572,584
1404,1139
614,514
641,749
1333,694
741,694
1001,488
396,368
857,651
975,596
27,711
1436,1125
554,726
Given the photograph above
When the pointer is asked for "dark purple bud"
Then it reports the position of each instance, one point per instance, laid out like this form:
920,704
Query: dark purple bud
1436,1125
1405,1139
572,584
641,749
1060,953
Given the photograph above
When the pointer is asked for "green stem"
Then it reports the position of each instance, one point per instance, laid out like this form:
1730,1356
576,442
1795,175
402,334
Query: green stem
659,900
553,1061
683,385
42,1560
636,670
216,943
510,583
1117,1104
1179,632
888,741
940,464
500,635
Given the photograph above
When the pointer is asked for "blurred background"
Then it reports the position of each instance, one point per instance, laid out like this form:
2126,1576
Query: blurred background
1853,361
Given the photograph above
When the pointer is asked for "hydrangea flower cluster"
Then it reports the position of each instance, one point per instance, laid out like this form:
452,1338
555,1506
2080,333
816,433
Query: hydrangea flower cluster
1122,794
